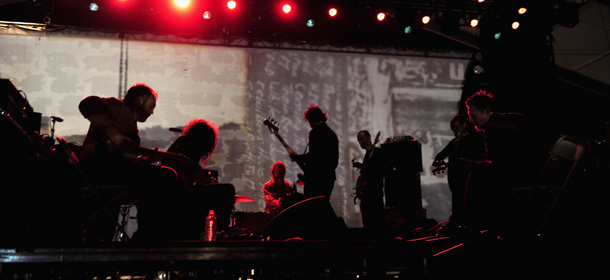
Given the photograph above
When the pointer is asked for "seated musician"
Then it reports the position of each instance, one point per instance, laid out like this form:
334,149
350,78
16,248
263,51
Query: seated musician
111,154
197,142
197,192
276,189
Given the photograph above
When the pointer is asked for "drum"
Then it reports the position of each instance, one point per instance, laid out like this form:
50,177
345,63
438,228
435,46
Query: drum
253,221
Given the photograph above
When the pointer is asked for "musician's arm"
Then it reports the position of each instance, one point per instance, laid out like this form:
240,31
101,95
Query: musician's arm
99,112
270,198
102,113
444,153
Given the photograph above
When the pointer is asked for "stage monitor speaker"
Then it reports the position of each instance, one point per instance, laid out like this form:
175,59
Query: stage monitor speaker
310,219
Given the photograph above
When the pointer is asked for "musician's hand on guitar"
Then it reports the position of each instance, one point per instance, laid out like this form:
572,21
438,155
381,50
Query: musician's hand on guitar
126,146
153,157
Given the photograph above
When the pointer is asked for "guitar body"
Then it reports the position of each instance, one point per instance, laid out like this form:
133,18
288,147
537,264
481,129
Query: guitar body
360,186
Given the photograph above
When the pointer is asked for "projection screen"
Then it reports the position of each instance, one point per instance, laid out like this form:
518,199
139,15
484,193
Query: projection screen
236,88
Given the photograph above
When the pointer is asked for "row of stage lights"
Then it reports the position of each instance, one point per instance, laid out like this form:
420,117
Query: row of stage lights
288,8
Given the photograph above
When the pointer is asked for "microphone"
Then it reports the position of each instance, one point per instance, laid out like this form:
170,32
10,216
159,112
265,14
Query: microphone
175,129
56,118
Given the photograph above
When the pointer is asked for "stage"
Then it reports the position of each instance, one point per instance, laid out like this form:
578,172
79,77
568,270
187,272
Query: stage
429,257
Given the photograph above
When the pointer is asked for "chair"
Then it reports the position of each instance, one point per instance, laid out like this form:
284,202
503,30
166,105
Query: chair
91,189
555,176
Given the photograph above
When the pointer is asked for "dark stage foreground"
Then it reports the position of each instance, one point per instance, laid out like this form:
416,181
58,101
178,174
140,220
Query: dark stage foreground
425,258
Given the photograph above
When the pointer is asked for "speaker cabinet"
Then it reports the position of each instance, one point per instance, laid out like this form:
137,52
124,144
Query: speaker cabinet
402,182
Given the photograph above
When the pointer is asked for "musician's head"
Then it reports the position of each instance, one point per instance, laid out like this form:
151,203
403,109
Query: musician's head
459,123
204,135
314,115
278,170
142,99
364,139
480,108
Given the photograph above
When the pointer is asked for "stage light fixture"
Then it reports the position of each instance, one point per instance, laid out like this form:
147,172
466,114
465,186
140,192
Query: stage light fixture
207,15
310,23
94,7
474,22
408,29
332,12
231,4
425,19
498,35
515,25
380,16
181,3
286,8
522,10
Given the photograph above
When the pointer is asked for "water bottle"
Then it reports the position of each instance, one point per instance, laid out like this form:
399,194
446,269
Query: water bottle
210,227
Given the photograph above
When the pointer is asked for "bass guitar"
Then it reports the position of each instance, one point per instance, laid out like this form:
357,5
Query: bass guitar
274,128
361,182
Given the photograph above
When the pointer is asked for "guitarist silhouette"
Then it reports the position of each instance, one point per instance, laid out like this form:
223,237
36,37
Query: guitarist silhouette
370,149
320,162
370,184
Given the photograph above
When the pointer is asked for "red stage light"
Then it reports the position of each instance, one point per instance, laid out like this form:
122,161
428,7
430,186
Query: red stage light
231,4
181,3
286,8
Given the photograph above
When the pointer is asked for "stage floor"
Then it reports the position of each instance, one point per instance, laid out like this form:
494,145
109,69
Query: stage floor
431,257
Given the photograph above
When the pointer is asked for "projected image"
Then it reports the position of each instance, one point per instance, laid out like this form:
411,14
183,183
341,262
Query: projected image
401,98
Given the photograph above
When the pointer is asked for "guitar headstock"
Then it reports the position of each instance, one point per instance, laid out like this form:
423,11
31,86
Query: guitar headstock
271,124
376,138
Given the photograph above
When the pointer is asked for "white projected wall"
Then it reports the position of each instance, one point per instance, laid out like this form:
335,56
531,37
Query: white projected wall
237,88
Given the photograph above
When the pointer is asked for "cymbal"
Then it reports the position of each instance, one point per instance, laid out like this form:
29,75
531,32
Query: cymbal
241,198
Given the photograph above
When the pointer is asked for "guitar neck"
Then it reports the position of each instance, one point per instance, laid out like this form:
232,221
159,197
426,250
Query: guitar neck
158,155
288,149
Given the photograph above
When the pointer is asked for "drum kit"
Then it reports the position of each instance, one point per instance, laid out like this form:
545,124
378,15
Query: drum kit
252,224
248,224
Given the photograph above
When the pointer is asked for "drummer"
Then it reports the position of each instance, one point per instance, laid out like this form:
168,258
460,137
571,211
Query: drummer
276,188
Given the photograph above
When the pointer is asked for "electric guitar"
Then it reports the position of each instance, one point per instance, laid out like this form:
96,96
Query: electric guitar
274,128
361,182
134,153
156,156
